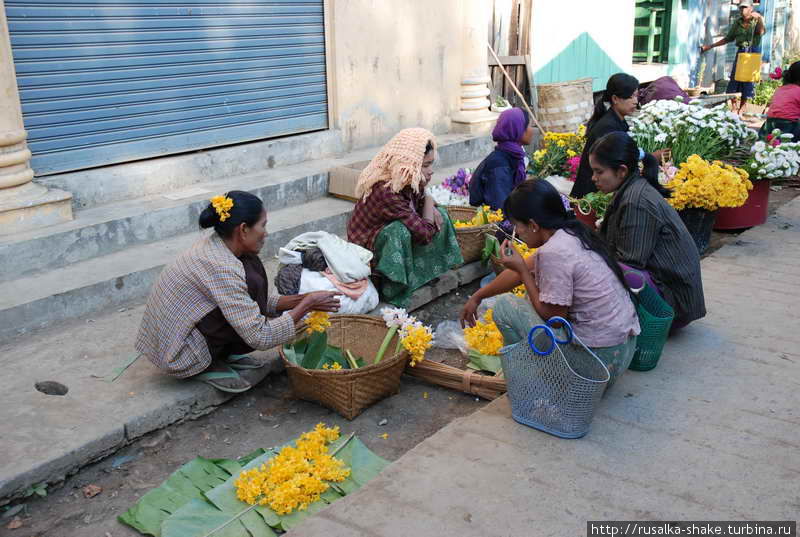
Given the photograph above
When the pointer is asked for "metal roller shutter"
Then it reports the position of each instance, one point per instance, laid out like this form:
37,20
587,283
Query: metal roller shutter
105,81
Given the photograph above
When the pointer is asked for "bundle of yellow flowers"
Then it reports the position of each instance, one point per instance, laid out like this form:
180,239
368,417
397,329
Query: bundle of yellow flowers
416,339
296,477
557,149
484,337
484,216
708,185
317,321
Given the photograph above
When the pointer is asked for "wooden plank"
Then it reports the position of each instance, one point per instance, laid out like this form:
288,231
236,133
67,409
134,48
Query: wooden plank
503,16
508,60
525,31
513,29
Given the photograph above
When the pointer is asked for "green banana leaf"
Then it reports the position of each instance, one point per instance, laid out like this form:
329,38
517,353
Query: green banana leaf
484,362
315,353
189,482
200,496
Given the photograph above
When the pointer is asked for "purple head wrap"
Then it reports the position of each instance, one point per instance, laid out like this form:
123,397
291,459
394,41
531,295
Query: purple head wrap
510,127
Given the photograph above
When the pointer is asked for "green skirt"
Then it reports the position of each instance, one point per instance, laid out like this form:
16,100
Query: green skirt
405,266
515,316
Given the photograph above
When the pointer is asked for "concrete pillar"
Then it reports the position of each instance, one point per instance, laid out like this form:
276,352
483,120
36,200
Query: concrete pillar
24,205
474,116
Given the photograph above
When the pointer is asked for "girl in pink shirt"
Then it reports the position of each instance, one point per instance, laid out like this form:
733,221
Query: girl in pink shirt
784,109
572,275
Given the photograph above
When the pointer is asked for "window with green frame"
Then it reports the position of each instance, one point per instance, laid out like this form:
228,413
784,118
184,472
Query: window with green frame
652,27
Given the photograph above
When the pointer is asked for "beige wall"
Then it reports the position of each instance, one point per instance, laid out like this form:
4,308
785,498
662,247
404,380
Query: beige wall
396,64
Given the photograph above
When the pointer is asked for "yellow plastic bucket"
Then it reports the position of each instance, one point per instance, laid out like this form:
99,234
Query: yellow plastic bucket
748,67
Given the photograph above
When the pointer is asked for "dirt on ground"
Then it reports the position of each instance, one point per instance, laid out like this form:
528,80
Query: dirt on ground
87,504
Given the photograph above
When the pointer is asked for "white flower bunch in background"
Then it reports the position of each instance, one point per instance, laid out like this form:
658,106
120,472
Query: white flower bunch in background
443,197
777,159
711,133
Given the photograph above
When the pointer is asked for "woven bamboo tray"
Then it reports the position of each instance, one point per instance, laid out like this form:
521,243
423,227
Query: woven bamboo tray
470,239
351,391
467,381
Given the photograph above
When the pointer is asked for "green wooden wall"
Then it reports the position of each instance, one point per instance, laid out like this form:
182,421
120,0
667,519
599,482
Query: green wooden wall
582,58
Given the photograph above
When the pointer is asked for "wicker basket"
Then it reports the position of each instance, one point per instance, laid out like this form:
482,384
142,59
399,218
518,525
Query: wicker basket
470,239
565,106
351,391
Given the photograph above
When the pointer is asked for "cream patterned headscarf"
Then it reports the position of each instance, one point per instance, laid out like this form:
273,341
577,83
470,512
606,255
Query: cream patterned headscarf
399,162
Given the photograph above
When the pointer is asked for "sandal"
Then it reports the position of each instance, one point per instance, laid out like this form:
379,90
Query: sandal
243,361
217,380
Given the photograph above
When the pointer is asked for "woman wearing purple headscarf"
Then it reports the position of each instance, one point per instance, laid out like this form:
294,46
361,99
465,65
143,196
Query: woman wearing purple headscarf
504,168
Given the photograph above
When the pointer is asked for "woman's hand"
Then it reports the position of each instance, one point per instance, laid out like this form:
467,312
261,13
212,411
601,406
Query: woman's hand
321,301
438,219
470,312
514,261
705,48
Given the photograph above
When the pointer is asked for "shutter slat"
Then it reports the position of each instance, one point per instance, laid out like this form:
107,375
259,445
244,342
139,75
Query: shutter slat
104,81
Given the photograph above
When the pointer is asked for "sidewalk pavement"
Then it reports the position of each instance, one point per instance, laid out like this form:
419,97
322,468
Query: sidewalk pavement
713,433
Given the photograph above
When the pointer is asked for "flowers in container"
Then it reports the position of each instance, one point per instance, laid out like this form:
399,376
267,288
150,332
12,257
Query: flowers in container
415,337
776,158
313,351
689,129
708,185
557,150
484,216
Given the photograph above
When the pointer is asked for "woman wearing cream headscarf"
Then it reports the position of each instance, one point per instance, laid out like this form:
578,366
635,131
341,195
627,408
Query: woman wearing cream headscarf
413,240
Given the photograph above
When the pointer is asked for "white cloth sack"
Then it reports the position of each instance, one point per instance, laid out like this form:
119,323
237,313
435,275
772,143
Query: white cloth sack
349,262
311,281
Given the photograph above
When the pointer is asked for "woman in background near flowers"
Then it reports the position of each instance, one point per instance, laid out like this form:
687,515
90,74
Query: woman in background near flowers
784,108
504,168
212,306
746,32
413,240
643,230
622,96
571,275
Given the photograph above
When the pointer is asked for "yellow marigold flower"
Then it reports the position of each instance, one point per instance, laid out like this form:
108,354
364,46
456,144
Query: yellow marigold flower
317,321
708,185
385,436
222,205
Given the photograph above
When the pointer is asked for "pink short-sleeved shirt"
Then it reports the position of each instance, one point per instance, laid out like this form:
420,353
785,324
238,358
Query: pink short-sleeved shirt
786,103
600,309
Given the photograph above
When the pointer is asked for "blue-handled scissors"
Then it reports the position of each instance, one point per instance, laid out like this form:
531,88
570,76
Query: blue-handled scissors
548,328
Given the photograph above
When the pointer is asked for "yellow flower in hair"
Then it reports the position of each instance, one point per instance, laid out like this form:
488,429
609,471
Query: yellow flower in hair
222,205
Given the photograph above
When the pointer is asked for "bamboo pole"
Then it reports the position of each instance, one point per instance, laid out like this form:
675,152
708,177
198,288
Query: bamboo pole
514,86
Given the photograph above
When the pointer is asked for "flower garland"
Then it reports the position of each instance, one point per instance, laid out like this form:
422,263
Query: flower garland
484,337
296,477
708,185
222,205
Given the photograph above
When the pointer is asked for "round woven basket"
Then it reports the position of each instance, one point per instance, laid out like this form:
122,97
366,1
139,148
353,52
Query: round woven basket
470,239
351,391
565,106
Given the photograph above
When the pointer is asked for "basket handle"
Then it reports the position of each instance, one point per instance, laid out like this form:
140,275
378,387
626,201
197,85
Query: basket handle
532,343
638,275
565,324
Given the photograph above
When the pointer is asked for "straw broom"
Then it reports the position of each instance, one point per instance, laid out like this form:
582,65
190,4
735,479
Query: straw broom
467,381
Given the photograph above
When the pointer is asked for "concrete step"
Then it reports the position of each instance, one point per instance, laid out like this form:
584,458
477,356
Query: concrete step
95,284
114,227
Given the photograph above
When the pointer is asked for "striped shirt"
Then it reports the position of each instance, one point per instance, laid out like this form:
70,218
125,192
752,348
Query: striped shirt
645,232
201,279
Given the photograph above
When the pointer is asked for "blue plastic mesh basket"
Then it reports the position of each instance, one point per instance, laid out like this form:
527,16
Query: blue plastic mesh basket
554,385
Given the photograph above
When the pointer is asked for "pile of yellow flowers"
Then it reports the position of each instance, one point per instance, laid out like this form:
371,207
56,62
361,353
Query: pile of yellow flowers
571,142
485,215
296,477
317,321
416,338
708,185
484,337
520,291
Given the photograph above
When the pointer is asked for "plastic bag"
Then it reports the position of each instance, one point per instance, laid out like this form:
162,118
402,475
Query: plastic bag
450,335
